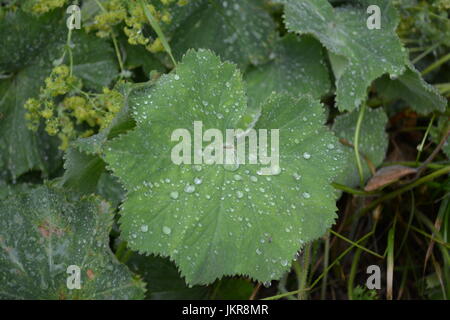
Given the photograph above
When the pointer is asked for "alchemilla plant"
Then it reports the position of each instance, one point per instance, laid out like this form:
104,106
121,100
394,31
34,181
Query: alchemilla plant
229,149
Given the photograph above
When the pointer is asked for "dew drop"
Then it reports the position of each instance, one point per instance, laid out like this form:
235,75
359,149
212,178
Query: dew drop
166,230
189,188
306,155
306,195
174,195
144,228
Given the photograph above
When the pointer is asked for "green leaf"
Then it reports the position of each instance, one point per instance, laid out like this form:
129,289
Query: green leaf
298,68
363,54
20,149
213,221
163,279
82,171
373,142
239,31
45,231
410,86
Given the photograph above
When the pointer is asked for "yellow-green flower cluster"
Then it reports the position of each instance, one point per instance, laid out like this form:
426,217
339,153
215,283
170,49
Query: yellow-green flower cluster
131,13
43,6
67,111
113,13
136,21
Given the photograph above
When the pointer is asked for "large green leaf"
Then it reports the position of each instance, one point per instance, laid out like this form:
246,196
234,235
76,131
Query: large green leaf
239,31
298,68
359,55
216,220
373,142
410,87
43,232
93,61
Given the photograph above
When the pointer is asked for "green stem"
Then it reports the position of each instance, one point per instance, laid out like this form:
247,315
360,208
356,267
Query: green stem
304,272
436,64
356,144
356,245
326,261
425,136
69,50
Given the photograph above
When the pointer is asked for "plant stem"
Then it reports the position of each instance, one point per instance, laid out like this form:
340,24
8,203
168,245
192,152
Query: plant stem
326,260
357,133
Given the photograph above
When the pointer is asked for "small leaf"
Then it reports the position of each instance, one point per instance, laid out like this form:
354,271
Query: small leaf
410,87
43,232
82,171
363,54
212,221
388,175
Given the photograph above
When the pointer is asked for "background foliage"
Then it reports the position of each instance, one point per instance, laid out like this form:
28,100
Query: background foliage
83,178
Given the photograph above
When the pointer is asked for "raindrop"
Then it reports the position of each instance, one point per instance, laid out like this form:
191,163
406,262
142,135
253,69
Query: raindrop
296,176
166,230
189,188
306,195
174,195
237,177
144,228
306,155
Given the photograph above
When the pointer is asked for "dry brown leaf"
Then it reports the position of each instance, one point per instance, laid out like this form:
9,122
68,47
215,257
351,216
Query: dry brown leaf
387,175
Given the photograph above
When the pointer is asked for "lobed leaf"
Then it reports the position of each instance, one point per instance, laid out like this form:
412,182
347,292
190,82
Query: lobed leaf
216,220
